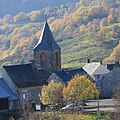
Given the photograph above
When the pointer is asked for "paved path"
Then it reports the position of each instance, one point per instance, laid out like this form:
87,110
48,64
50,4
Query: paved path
105,105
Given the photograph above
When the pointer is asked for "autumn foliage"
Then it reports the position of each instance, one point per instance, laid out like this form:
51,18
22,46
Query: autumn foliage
78,89
52,94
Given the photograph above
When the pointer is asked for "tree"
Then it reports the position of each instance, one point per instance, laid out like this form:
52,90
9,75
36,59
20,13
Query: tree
35,16
8,19
52,93
80,88
21,17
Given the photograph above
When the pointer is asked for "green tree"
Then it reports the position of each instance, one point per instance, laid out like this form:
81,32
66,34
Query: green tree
79,88
52,93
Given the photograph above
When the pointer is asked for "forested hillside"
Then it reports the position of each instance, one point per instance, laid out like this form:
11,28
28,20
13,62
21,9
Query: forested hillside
88,29
12,7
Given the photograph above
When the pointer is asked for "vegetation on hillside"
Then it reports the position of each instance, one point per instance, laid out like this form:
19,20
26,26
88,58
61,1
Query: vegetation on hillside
88,29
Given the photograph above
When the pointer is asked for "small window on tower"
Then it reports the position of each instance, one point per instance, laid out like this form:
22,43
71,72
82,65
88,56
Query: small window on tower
56,58
42,59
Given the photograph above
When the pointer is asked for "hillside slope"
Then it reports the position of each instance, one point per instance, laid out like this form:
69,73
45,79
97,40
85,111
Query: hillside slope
82,30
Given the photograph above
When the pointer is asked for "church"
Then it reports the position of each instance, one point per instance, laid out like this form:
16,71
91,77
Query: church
20,85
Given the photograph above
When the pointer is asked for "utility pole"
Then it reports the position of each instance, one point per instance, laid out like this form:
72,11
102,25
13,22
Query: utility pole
98,110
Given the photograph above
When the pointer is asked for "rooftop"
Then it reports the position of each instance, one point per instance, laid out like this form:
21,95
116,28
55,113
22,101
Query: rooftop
46,41
26,76
5,91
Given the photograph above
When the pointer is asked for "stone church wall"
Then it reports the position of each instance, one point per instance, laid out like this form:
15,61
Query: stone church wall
50,61
28,97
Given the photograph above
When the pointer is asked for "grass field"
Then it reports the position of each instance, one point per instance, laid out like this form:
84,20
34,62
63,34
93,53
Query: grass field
75,52
67,116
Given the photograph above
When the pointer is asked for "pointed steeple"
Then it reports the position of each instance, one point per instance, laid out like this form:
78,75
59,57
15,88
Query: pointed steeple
46,41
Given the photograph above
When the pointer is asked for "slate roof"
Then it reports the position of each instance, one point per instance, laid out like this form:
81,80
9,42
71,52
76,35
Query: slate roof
5,91
63,75
110,66
46,41
75,71
95,68
91,67
26,76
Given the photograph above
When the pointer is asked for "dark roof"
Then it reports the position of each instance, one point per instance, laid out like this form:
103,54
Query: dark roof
5,91
26,76
63,75
75,71
111,66
46,41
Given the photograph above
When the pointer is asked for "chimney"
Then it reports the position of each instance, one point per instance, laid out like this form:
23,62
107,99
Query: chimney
101,62
117,63
88,61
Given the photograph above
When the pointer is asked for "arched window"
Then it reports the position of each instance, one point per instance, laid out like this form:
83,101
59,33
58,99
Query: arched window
43,60
57,58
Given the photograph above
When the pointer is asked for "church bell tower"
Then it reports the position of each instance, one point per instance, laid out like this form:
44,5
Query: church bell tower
47,53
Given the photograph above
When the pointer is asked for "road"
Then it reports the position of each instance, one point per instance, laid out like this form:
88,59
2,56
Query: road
105,105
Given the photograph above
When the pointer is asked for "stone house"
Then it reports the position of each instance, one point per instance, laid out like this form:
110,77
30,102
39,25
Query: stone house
7,97
28,82
95,68
107,83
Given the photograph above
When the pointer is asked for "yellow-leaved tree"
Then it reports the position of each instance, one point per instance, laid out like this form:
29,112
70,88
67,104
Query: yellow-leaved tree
52,93
80,88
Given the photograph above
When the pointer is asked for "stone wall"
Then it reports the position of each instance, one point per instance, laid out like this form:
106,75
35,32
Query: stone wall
108,82
55,78
29,96
50,60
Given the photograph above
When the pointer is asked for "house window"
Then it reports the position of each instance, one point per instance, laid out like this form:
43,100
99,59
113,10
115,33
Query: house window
23,96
